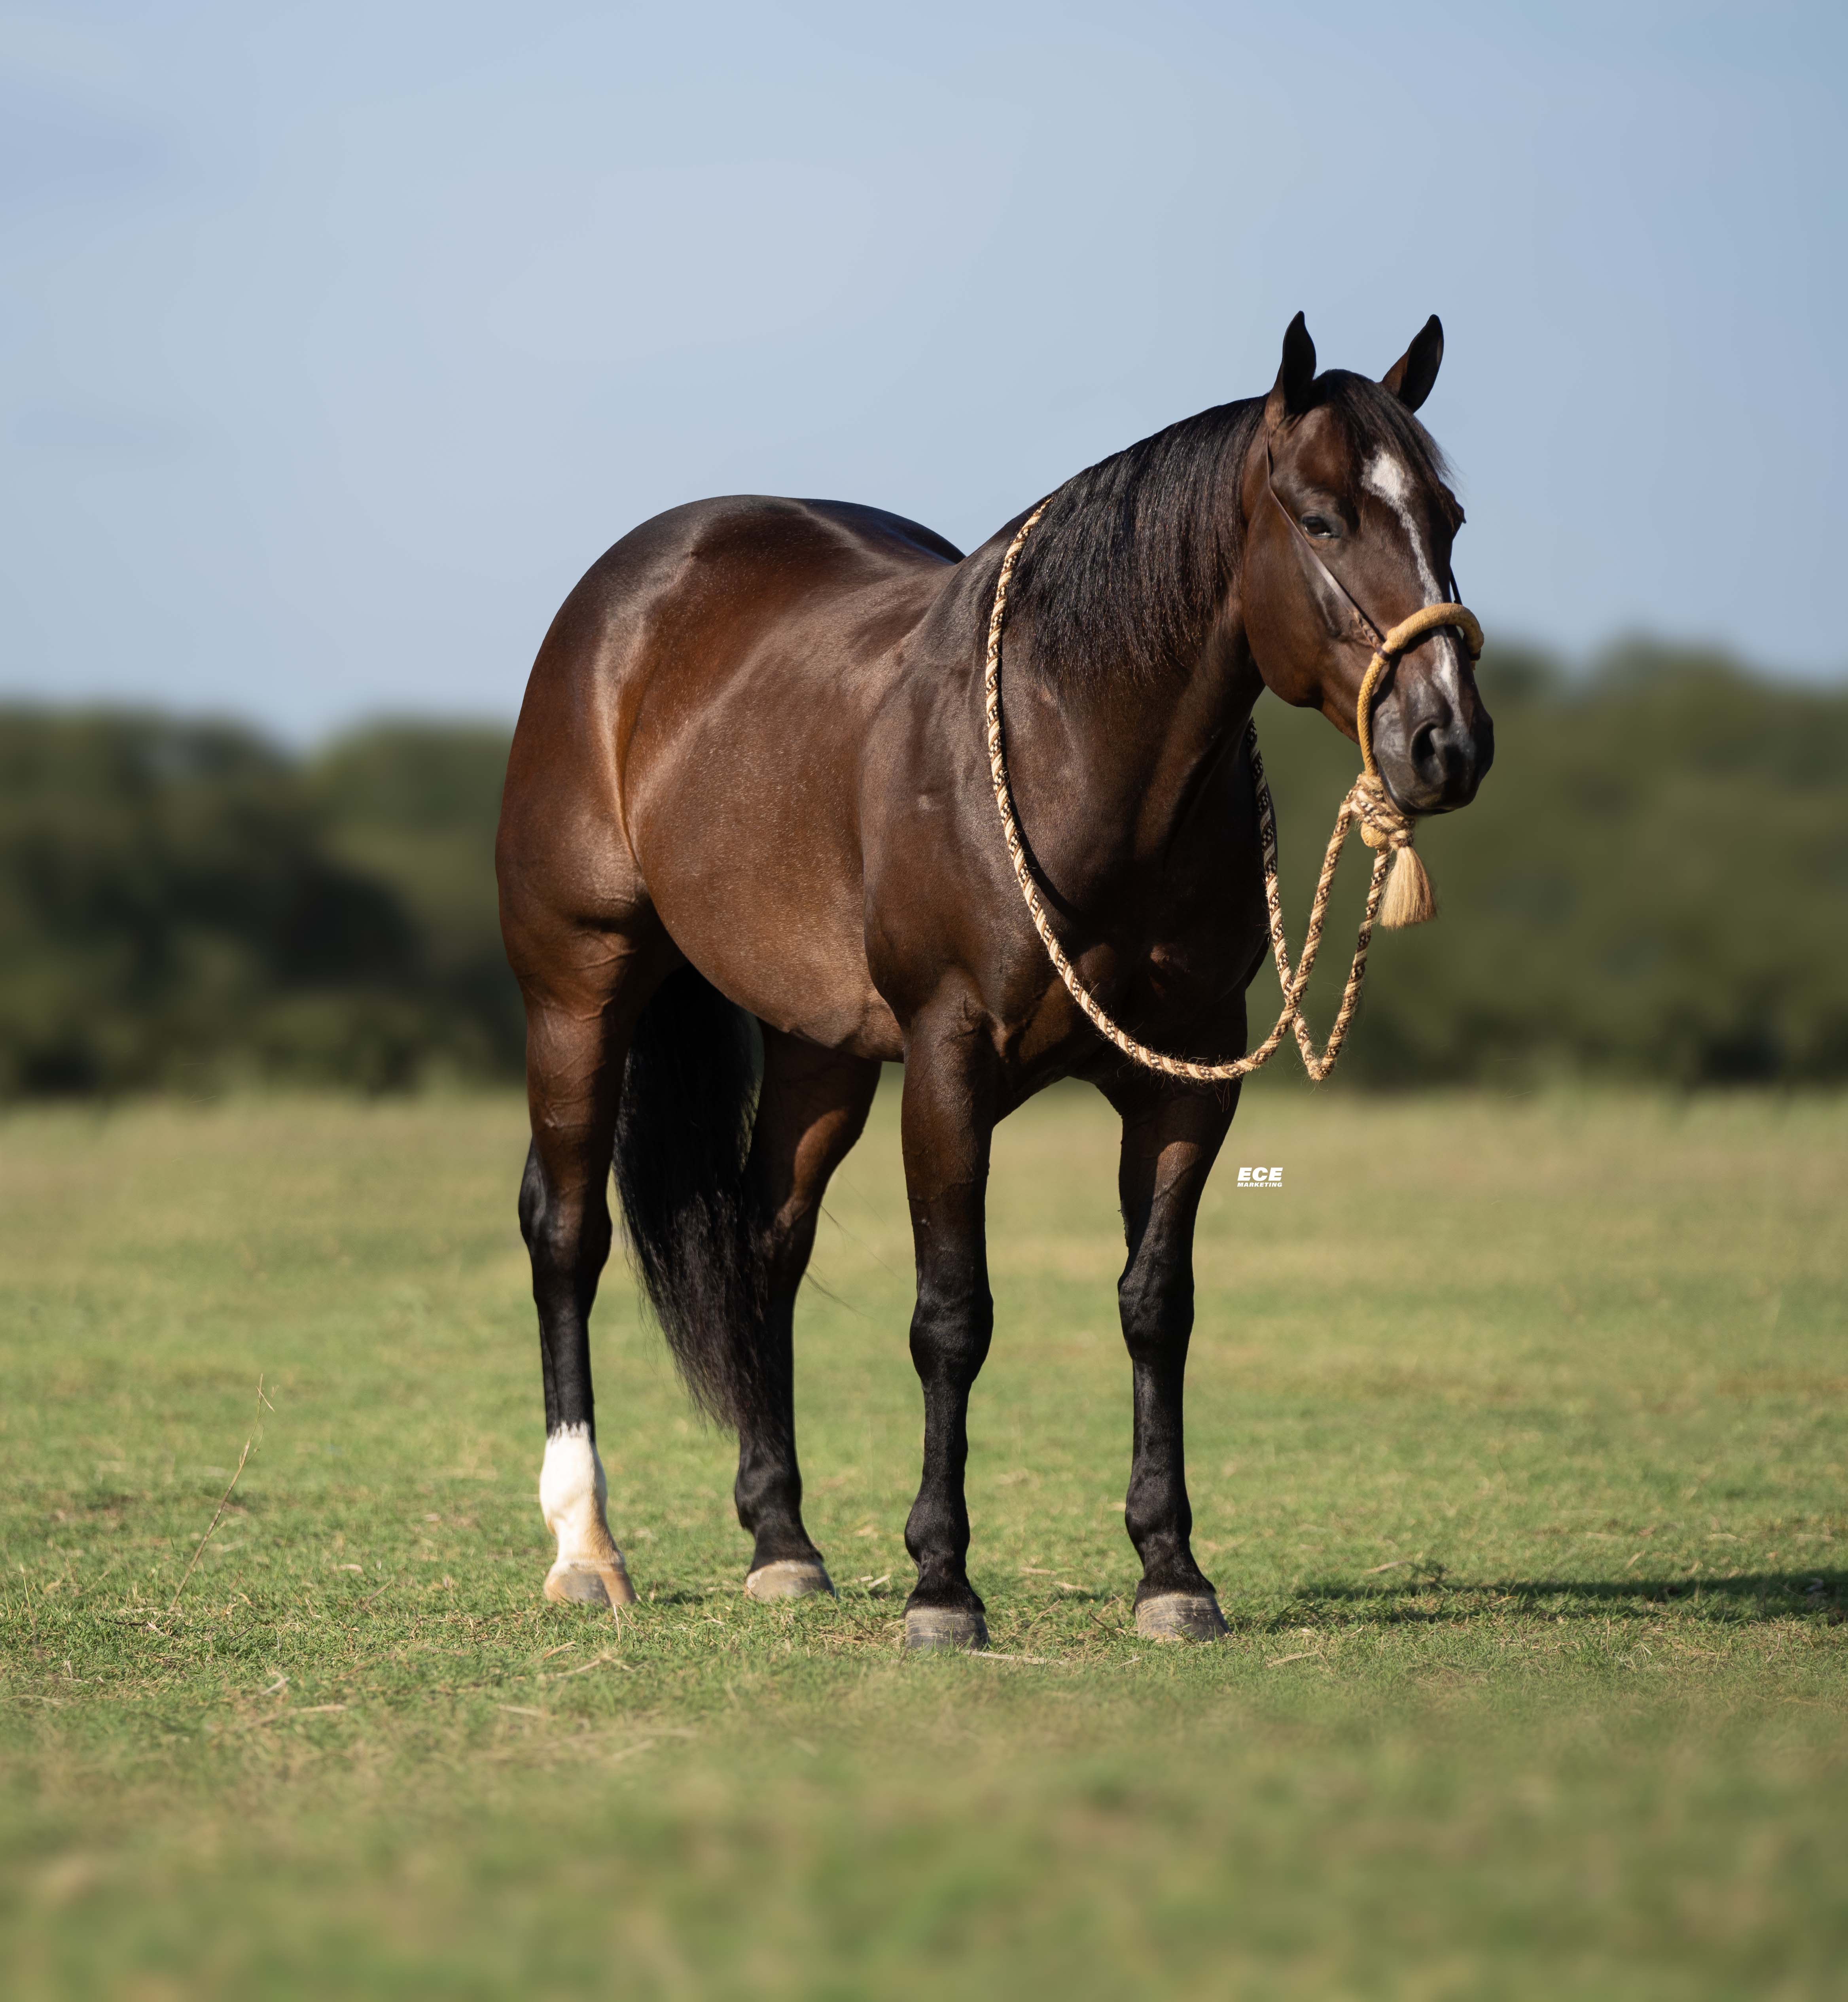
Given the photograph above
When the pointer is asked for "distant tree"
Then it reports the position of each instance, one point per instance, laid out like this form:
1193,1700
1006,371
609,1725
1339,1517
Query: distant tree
168,913
415,805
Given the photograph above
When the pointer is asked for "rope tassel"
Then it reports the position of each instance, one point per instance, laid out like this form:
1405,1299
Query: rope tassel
1408,896
1408,899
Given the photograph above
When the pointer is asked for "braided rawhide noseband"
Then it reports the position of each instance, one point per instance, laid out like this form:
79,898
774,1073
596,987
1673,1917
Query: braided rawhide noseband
1384,827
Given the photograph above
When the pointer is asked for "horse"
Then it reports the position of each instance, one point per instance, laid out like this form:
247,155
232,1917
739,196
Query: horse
749,853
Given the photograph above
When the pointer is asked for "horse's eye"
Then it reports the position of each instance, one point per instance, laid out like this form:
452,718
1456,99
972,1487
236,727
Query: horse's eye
1319,526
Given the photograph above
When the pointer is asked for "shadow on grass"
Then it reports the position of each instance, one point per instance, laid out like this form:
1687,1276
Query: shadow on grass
1744,1596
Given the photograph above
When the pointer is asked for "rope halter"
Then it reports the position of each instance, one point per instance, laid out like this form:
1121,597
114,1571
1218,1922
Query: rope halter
1384,825
1385,828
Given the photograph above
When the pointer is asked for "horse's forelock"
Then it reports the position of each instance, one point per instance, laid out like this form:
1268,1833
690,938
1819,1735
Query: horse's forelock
1374,420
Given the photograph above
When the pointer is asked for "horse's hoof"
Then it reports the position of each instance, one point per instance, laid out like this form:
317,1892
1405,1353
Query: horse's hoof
1180,1616
582,1583
789,1578
929,1627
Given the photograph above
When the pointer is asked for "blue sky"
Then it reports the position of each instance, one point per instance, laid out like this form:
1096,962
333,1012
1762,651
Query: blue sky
339,339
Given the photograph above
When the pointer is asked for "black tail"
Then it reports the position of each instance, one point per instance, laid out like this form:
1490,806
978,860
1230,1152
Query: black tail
688,1100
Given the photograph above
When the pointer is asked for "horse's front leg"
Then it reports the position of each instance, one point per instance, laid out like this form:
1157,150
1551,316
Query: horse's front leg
949,1067
1170,1140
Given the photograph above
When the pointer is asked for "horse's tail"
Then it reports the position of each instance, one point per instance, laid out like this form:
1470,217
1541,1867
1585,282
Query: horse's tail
694,1235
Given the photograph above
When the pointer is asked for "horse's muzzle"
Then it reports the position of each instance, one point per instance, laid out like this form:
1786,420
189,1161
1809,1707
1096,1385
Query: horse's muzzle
1434,760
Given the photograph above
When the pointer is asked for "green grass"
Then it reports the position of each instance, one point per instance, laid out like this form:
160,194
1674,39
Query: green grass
1519,1451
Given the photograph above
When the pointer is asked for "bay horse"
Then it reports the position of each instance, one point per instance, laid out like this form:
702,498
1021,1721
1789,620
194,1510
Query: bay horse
749,785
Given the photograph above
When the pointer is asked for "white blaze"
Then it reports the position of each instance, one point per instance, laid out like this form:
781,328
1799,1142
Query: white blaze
1386,477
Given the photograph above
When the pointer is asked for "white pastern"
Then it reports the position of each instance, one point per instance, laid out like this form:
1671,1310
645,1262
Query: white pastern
1386,477
572,1495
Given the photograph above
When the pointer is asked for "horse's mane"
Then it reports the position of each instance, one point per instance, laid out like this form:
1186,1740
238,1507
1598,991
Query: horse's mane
1130,564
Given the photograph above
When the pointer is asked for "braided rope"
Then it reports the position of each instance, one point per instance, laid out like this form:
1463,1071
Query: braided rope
1368,806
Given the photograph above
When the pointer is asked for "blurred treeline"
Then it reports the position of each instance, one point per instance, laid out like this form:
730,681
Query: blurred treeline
184,904
1653,885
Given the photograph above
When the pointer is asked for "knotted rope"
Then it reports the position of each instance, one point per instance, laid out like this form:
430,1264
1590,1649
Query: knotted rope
1384,827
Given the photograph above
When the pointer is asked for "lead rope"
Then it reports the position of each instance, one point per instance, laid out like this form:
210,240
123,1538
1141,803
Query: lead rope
1383,828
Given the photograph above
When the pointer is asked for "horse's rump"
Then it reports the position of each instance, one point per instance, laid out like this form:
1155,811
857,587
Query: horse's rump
718,677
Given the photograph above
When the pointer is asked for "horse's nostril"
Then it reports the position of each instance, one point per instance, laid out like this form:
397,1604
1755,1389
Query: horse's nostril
1444,759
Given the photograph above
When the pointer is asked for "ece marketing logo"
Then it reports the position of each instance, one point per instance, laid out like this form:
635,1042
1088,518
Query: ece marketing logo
1263,1178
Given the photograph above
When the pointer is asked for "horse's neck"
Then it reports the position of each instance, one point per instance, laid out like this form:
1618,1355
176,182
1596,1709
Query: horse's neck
1116,750
1115,769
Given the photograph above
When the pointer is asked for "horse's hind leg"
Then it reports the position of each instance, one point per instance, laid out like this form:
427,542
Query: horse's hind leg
1170,1140
581,1014
811,1109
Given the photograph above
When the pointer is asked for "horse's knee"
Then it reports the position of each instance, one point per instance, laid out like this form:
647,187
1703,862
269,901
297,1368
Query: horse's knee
1156,1304
950,1329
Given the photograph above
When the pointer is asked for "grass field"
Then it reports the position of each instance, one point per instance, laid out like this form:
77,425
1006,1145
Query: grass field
1519,1452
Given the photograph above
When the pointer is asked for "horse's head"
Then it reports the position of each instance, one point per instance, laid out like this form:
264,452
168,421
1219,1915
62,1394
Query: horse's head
1349,524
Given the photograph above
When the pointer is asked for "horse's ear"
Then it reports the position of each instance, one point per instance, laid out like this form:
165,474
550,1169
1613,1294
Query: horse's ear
1289,394
1410,377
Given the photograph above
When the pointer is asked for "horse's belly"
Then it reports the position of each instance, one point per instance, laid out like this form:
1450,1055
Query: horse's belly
792,962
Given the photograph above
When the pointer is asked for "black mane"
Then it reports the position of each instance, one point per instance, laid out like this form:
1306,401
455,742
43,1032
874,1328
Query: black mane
1128,568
